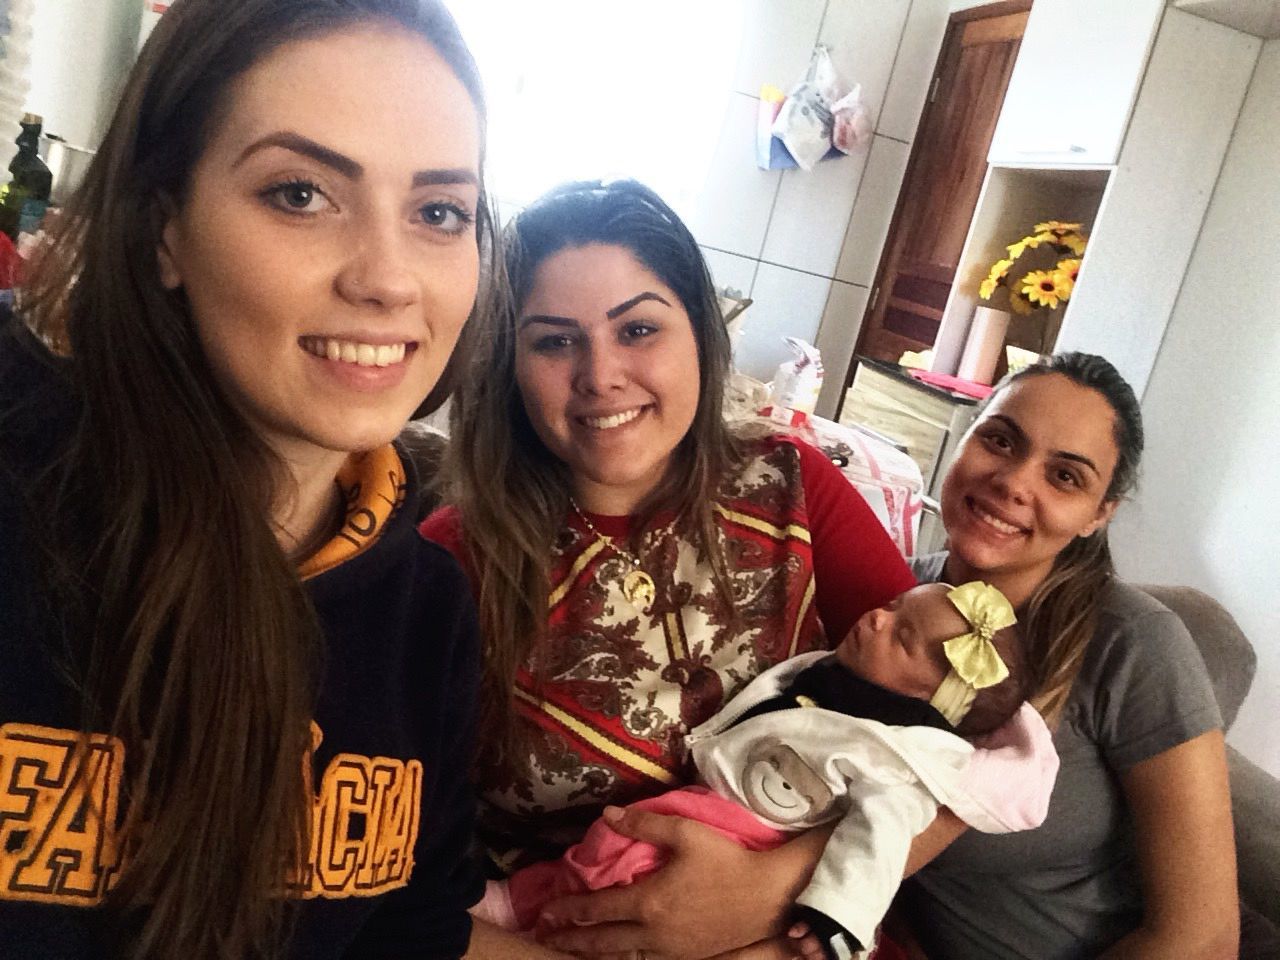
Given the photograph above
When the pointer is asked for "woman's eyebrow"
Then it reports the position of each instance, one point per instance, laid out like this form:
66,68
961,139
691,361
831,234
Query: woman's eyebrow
446,176
296,142
626,305
547,318
1079,458
1012,424
345,166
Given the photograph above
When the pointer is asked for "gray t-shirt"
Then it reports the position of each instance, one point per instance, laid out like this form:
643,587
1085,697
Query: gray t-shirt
1071,887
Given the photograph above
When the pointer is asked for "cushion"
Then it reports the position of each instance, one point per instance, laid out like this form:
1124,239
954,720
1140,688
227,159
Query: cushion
1228,654
1255,808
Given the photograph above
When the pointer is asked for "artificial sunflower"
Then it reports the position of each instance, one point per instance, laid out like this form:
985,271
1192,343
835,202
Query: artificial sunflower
1056,226
1072,241
1070,268
1037,281
1045,288
999,270
1020,304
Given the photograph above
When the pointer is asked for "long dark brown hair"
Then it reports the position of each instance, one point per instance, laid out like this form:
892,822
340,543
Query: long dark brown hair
200,650
511,491
1062,612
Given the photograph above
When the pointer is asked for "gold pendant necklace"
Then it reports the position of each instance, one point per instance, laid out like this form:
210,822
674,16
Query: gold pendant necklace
637,586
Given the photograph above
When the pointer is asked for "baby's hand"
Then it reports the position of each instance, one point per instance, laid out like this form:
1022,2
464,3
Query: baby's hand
807,945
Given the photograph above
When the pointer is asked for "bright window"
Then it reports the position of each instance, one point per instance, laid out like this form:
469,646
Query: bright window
581,89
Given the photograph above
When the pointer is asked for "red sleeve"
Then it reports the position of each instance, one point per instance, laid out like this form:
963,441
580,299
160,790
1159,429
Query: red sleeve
444,526
856,566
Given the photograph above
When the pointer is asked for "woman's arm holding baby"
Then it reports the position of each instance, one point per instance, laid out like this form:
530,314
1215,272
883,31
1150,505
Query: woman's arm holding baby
796,942
490,943
711,896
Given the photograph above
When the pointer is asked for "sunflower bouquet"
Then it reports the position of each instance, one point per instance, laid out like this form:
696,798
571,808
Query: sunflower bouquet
1039,274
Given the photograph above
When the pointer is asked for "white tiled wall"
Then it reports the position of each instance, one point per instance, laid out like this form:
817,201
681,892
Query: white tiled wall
804,246
809,219
913,70
846,300
732,208
731,270
863,36
873,210
777,42
787,303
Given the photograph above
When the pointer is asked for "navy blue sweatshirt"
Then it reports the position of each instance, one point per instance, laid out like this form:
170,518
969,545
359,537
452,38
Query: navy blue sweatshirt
390,873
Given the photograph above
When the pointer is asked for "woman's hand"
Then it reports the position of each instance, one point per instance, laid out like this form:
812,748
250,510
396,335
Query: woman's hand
1181,807
796,944
490,943
712,896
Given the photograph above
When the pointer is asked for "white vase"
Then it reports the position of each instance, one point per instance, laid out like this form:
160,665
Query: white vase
983,344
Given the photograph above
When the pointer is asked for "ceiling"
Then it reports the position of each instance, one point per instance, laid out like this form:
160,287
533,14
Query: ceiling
1258,17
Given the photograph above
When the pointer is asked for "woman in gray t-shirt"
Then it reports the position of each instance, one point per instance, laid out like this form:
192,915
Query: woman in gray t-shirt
1136,857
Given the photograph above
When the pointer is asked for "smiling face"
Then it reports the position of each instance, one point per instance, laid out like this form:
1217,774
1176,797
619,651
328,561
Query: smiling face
898,646
607,367
1030,476
326,242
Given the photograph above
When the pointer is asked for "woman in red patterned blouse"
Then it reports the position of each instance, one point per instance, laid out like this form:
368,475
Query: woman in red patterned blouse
636,563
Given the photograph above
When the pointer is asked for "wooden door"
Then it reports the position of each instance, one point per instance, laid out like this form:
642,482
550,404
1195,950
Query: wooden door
944,176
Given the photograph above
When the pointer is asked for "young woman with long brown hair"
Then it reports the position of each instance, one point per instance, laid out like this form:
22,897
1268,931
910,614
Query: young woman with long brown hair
1136,856
636,562
237,687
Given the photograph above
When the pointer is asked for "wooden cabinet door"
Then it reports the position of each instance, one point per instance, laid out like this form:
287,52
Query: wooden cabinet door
1075,81
943,179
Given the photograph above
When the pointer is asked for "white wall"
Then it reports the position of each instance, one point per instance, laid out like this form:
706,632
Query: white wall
80,53
805,246
1208,513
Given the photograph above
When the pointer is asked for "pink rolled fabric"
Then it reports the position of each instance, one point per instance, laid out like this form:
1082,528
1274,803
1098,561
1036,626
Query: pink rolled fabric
605,858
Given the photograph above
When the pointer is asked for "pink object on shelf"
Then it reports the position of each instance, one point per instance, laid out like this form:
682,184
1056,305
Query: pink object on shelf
970,389
983,345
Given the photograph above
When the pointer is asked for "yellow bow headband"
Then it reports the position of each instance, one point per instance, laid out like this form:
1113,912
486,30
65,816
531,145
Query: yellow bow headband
975,662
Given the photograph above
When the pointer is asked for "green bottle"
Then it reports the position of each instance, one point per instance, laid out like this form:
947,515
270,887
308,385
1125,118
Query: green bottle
25,199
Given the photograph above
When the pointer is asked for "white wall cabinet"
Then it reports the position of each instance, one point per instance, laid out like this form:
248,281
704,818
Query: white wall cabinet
1156,200
1142,214
1073,87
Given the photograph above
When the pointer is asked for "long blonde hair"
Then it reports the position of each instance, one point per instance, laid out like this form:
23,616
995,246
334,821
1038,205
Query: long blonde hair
1062,613
511,492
